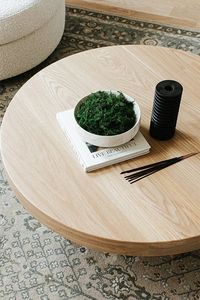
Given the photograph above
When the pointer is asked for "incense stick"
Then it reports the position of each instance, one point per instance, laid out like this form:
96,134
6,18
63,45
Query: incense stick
148,166
158,163
144,171
150,171
141,177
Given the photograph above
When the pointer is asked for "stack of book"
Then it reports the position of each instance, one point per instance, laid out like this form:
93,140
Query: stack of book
92,157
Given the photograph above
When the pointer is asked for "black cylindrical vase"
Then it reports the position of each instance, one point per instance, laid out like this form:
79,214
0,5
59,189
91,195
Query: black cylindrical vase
165,109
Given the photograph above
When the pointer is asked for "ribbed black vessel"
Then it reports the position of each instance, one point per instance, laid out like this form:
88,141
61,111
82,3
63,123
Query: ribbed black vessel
165,109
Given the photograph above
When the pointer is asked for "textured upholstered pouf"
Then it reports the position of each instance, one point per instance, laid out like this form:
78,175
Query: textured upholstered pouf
29,31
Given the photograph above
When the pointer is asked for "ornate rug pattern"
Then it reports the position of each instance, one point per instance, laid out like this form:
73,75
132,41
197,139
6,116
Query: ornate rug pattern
35,262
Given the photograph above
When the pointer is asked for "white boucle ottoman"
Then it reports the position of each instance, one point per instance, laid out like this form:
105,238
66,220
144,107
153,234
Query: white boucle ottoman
29,32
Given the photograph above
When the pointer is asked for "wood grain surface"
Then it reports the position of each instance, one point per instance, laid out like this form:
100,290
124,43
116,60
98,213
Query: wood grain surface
158,215
184,13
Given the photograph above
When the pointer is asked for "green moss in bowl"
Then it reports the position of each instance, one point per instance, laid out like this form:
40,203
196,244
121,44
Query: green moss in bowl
106,113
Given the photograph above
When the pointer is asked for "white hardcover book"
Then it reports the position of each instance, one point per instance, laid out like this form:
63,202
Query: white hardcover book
92,157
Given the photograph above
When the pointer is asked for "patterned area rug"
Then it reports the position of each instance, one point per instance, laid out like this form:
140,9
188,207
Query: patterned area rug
35,262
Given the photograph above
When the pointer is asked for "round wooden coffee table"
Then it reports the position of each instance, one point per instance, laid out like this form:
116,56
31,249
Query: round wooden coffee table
158,215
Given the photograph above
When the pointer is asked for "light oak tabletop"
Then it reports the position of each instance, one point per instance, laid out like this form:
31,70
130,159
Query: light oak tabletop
158,215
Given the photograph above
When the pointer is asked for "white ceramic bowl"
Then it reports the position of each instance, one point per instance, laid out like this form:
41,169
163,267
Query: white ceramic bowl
110,140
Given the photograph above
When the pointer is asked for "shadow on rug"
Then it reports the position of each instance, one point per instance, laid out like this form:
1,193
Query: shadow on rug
35,262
